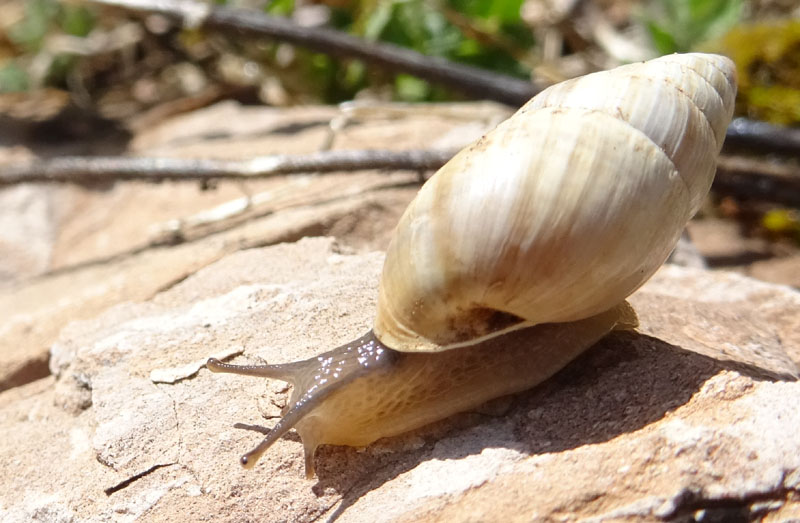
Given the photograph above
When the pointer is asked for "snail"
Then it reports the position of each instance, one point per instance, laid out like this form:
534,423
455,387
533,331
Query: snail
519,253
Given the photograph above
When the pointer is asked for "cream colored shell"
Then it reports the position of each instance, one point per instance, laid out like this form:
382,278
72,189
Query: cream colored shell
560,212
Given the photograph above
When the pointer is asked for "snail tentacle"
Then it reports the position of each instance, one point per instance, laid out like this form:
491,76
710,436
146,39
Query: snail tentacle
314,380
283,372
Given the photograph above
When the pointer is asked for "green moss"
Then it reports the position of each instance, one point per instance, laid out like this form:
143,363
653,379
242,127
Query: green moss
767,57
776,103
782,223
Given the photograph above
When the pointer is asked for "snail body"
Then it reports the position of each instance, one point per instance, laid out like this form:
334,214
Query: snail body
518,254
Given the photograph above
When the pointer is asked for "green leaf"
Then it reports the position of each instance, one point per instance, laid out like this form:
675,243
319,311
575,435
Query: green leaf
505,11
662,39
469,48
377,20
354,74
410,17
60,67
501,11
76,20
29,32
13,79
681,25
280,7
410,88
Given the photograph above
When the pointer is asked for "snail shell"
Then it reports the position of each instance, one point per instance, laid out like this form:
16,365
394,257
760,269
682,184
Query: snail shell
561,211
520,252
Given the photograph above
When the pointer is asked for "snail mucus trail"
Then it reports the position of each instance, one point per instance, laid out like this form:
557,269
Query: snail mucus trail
519,253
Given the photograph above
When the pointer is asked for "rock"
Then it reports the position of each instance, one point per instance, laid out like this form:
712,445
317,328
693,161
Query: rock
694,416
734,318
173,374
724,244
91,247
28,234
778,270
34,313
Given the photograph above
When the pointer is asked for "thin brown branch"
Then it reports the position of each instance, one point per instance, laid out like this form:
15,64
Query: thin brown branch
755,179
743,134
469,80
79,169
743,178
762,138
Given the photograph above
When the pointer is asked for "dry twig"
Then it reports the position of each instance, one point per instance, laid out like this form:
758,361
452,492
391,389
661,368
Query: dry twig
743,133
754,179
470,80
78,169
743,178
763,138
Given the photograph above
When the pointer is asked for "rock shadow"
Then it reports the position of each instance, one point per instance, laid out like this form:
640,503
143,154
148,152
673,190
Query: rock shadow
625,382
71,131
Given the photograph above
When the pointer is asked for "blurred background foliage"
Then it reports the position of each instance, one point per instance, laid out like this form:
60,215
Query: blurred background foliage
679,26
61,60
111,60
26,28
767,56
67,45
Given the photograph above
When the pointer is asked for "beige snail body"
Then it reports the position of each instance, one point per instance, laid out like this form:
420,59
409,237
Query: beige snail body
518,254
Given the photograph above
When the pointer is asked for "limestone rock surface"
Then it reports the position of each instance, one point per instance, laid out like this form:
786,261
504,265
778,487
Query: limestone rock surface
69,252
695,416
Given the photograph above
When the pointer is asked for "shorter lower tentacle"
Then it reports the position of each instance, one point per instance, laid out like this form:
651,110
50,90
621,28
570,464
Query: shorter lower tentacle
314,380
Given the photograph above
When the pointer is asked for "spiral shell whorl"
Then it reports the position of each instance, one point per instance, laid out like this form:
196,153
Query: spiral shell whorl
683,103
561,211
